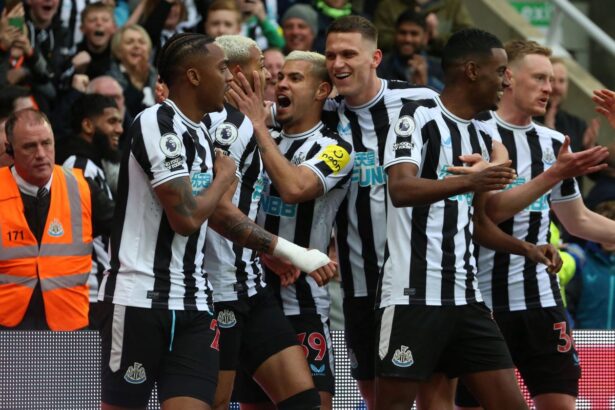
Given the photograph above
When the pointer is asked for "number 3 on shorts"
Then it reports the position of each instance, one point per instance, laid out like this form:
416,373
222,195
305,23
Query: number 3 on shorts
568,342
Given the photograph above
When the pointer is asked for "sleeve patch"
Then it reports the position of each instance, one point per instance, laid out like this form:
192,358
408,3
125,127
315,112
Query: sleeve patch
335,157
405,126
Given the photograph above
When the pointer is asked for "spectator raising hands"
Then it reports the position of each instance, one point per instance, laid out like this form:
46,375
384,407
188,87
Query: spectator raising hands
605,104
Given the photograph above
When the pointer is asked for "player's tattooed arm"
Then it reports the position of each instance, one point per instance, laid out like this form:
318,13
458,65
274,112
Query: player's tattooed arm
185,203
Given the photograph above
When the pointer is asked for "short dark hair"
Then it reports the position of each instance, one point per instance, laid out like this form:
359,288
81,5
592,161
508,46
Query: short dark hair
411,16
89,106
466,43
8,95
176,51
354,24
27,114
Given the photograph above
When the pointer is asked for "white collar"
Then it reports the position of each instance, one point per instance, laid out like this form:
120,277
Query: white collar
26,187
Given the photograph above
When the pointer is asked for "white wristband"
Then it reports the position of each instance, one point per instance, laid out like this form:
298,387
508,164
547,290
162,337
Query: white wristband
304,259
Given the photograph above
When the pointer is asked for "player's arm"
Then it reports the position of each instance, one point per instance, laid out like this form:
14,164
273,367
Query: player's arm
583,223
505,204
234,225
489,235
186,212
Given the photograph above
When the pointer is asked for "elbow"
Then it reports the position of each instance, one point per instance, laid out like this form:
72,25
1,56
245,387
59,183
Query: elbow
184,227
396,194
293,195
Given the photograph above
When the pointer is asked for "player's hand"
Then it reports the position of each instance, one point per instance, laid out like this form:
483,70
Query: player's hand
473,163
547,255
493,178
287,272
224,167
249,102
325,273
605,104
590,136
571,165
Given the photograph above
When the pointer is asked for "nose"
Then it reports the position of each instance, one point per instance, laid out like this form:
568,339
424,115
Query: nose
267,74
228,76
119,129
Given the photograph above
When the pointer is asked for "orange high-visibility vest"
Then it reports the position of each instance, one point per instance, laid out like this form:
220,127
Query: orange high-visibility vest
63,261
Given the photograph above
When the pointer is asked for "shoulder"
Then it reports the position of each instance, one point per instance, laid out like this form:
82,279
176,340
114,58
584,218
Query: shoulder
544,131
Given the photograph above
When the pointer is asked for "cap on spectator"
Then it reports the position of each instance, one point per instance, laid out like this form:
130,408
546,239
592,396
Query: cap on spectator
304,12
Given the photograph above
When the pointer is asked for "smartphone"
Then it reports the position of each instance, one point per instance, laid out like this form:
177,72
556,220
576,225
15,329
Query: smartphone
17,22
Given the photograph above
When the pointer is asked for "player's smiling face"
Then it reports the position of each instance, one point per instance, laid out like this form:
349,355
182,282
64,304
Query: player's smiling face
492,78
351,60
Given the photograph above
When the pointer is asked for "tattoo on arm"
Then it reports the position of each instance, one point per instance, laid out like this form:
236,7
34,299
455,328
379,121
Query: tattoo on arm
243,231
183,189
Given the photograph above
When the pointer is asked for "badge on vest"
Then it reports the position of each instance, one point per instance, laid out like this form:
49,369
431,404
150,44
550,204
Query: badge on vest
55,228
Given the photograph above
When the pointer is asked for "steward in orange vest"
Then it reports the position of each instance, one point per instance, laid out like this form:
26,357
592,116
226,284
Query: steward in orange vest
61,263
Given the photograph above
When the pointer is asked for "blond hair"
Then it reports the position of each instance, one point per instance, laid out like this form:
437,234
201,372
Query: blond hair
517,49
116,41
317,60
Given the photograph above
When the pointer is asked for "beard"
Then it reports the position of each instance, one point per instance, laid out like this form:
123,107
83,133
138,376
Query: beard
101,142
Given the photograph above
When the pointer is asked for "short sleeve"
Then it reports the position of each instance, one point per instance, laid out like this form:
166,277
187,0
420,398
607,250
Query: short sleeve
404,142
333,162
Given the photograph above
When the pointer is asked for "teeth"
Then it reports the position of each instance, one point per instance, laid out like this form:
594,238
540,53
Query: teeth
345,75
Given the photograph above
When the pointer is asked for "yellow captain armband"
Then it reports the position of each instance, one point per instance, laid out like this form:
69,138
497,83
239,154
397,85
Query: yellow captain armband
335,157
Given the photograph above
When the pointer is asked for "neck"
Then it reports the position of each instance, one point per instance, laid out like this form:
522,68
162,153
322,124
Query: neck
40,24
370,91
305,123
461,107
510,113
187,104
97,49
87,138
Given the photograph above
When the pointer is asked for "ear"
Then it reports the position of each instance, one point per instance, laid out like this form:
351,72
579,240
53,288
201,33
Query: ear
193,76
87,125
509,75
323,91
376,58
471,70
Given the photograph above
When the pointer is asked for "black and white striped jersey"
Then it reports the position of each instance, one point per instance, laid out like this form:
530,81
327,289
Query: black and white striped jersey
361,221
151,265
235,271
308,224
430,253
100,254
70,18
511,282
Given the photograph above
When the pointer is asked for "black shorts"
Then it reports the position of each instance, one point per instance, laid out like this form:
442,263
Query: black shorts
314,336
251,331
416,341
178,350
360,334
543,350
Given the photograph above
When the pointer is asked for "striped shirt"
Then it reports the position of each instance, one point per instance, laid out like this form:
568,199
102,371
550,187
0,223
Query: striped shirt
235,271
512,282
308,224
361,221
430,257
151,265
100,255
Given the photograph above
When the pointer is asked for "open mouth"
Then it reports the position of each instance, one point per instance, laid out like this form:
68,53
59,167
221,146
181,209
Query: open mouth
99,33
283,101
342,76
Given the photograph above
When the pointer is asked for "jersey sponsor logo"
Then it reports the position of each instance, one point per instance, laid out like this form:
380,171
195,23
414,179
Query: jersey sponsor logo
259,185
170,145
335,157
403,145
539,205
343,129
317,370
468,197
226,319
135,374
446,141
366,171
272,205
55,228
405,126
548,156
226,134
403,357
200,181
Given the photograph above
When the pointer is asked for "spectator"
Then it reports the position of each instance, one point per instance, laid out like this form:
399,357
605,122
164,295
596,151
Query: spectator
444,18
300,25
161,19
97,126
14,98
93,56
328,11
45,265
274,60
257,25
223,17
581,135
594,282
409,61
132,48
5,159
